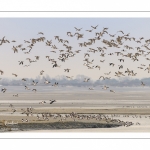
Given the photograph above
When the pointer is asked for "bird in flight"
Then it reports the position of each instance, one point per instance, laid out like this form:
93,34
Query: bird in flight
26,88
34,83
34,90
2,72
86,79
121,32
40,33
105,87
3,90
94,27
142,83
78,29
47,82
69,77
20,62
14,74
52,101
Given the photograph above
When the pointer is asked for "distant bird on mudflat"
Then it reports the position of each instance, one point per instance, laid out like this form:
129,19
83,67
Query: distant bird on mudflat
112,91
105,87
11,105
16,95
43,102
13,110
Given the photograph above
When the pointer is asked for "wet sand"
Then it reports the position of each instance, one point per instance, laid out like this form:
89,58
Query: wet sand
128,105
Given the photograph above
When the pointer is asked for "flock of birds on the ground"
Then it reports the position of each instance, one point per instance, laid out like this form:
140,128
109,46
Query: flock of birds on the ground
76,117
118,40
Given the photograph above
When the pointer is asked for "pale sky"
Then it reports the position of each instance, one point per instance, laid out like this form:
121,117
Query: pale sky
21,29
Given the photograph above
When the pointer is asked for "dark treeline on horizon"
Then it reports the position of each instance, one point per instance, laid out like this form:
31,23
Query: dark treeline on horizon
78,81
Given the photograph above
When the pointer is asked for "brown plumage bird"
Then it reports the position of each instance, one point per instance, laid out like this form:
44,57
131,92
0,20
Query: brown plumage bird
94,27
2,72
14,74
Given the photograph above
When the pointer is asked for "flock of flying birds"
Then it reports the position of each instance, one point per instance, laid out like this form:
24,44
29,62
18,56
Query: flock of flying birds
116,41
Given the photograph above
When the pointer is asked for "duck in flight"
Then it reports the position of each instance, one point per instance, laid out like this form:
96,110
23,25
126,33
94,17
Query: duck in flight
20,62
14,74
26,88
47,82
34,83
34,90
55,84
41,72
69,77
67,70
78,29
142,84
23,79
52,101
86,79
94,27
89,30
40,33
3,90
2,72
